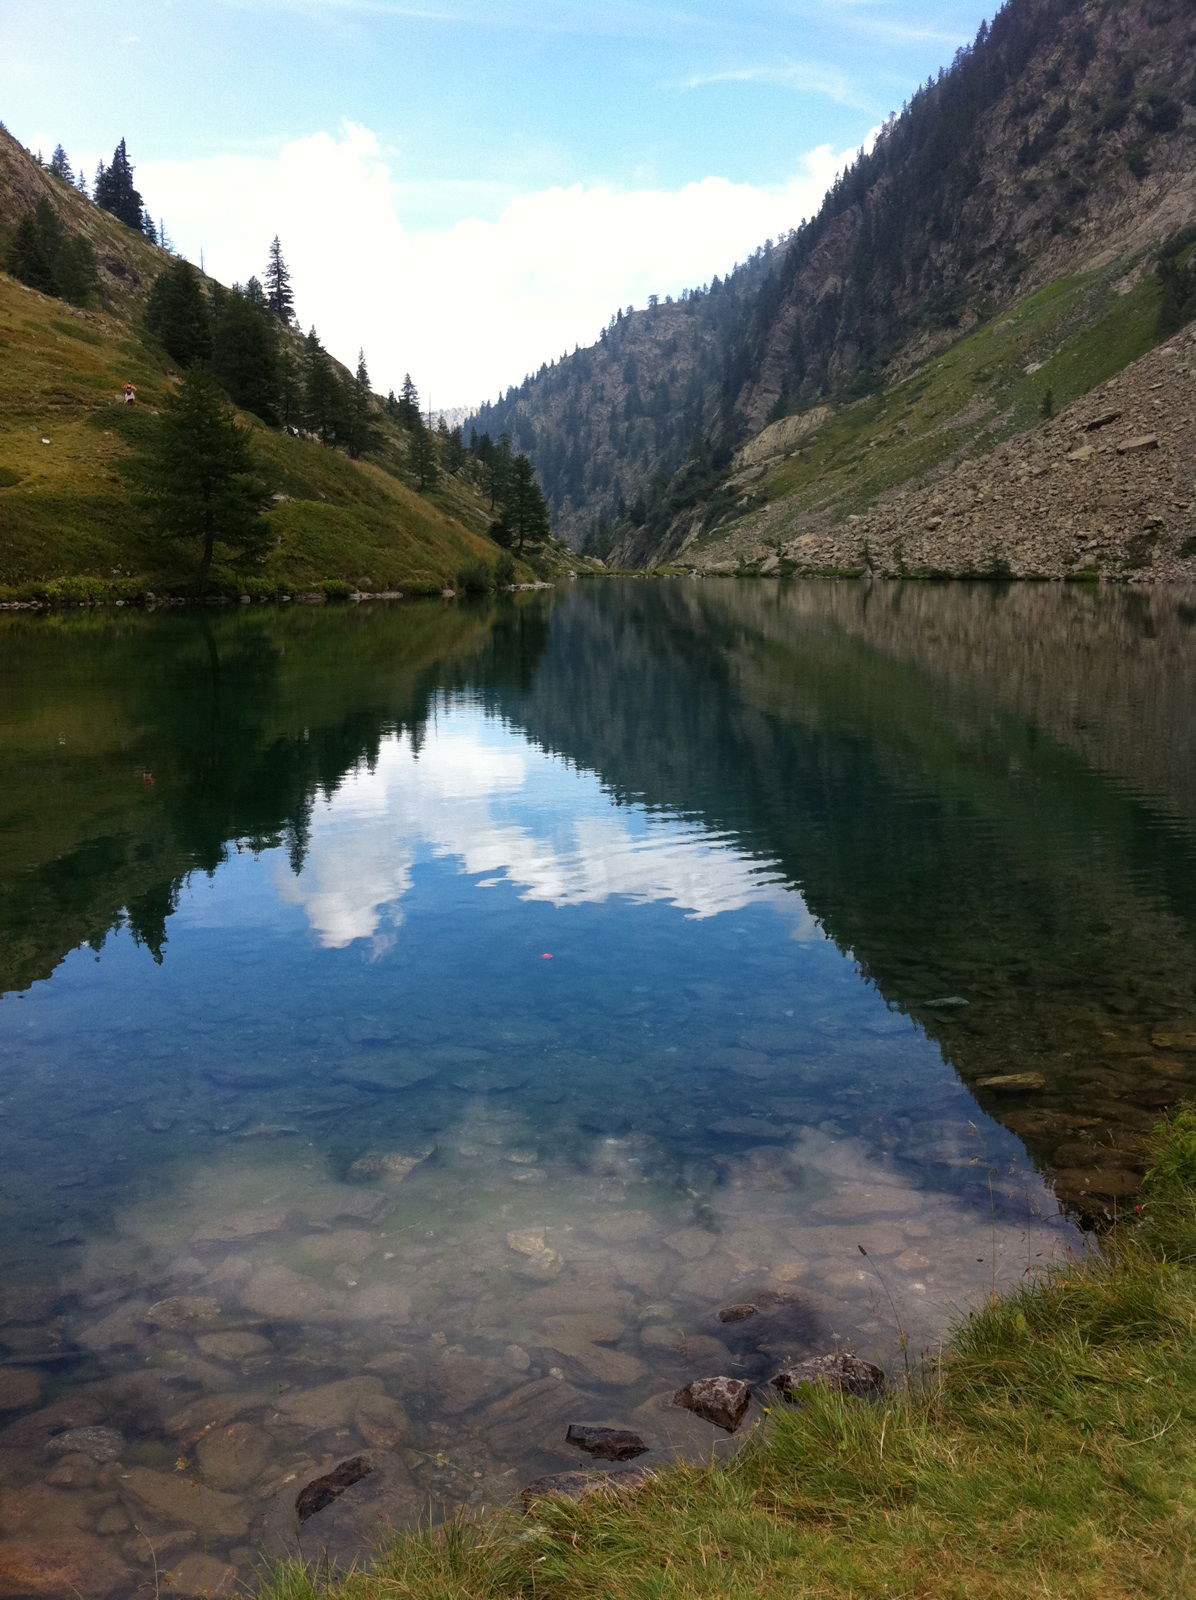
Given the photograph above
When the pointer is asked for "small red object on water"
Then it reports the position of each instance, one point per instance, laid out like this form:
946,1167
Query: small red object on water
546,958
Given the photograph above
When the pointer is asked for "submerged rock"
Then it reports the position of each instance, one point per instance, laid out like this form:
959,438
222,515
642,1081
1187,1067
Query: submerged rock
608,1444
1013,1082
182,1311
20,1388
75,1565
389,1166
839,1371
739,1313
201,1575
321,1492
179,1500
341,1517
723,1401
100,1444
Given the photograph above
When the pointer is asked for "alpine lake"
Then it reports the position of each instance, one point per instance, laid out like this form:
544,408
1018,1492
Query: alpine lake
420,1021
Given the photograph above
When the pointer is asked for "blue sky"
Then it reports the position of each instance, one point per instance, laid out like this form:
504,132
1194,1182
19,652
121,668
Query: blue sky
469,188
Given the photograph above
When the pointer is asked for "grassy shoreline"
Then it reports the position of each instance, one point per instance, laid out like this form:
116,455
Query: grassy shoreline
1050,1453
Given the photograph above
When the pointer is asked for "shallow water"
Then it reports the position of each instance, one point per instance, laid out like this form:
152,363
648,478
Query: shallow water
420,1021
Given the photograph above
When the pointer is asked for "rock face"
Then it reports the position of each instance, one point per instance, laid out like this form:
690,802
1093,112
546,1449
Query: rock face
723,1401
843,1373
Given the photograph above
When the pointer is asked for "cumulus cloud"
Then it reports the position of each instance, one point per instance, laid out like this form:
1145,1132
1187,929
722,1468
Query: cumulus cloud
466,305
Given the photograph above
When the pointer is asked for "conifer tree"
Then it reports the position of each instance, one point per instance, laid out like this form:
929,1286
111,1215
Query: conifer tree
524,512
115,192
178,314
323,403
360,435
46,257
409,412
289,390
278,285
245,353
60,166
81,184
196,474
423,456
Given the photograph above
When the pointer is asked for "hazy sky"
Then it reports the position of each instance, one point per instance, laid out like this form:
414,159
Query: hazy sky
470,187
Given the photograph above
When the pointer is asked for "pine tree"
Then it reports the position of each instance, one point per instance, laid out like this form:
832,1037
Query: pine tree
30,256
60,166
46,257
409,412
278,285
360,434
525,513
114,190
245,353
423,456
322,399
196,474
178,314
81,184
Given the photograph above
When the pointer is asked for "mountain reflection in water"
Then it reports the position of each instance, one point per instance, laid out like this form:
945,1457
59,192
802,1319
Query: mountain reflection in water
421,1020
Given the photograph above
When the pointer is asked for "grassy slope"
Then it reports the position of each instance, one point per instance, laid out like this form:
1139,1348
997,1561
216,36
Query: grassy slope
1051,1455
1075,333
68,512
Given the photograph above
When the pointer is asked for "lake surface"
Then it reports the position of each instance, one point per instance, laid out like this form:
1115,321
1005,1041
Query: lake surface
418,1022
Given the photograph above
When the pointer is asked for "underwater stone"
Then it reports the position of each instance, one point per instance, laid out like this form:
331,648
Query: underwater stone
1013,1082
101,1444
608,1444
20,1387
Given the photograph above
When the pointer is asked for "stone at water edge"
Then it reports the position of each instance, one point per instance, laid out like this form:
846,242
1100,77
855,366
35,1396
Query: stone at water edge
840,1372
582,1486
723,1401
608,1444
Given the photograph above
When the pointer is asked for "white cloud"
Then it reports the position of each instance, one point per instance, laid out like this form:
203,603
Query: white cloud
801,77
471,305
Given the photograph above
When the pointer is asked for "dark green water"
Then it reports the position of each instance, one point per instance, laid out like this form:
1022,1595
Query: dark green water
445,1010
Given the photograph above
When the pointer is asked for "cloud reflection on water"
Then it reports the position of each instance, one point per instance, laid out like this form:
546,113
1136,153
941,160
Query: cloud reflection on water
509,813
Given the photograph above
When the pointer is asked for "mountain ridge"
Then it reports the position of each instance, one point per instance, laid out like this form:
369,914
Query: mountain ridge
1062,142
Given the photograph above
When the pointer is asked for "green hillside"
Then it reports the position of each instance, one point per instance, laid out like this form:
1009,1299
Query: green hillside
66,439
70,525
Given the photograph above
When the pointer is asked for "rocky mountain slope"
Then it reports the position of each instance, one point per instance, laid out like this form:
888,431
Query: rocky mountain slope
1106,489
1061,145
